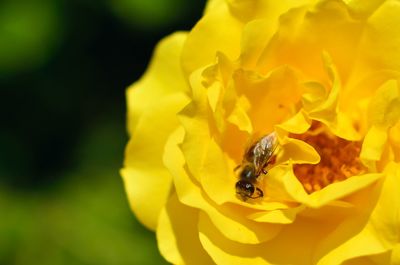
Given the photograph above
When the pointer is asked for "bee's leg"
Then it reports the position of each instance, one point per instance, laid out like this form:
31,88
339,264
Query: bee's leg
272,160
259,195
237,167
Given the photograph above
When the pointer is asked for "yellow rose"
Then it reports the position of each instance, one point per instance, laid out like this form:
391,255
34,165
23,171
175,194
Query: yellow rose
323,78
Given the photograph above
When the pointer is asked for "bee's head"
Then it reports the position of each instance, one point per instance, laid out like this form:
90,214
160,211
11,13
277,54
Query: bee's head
244,189
248,173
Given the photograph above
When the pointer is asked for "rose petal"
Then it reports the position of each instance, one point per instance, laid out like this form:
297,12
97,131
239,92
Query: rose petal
363,8
234,142
327,110
341,189
213,94
217,176
222,32
212,4
368,233
224,251
293,245
187,190
295,151
382,258
278,216
313,96
395,255
304,33
384,112
164,70
360,90
147,153
394,140
247,10
360,261
147,192
153,105
384,108
196,119
256,35
263,20
220,72
177,235
239,229
240,118
385,217
297,124
283,184
147,181
271,97
378,48
373,145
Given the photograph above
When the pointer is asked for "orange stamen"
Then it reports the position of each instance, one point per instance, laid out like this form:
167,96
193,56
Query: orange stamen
339,159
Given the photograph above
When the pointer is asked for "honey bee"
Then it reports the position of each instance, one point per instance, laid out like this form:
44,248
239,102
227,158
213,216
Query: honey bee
256,158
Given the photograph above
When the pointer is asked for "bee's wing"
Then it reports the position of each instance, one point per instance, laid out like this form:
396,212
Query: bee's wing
248,155
270,143
263,151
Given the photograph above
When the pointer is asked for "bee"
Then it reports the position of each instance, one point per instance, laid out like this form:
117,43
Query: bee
256,158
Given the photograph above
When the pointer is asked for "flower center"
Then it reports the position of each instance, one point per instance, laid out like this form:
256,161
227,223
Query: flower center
339,159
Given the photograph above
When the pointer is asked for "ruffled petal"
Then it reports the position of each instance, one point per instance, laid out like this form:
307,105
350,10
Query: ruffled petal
384,108
144,172
277,216
363,8
196,118
164,70
360,261
305,32
378,48
395,255
218,179
240,118
297,152
297,124
373,145
356,96
324,107
212,4
341,189
247,10
368,233
153,105
394,140
238,228
186,186
222,32
383,113
256,35
147,190
293,245
263,20
177,235
282,184
271,98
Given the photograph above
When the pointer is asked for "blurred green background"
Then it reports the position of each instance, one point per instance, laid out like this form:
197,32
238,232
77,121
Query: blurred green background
64,68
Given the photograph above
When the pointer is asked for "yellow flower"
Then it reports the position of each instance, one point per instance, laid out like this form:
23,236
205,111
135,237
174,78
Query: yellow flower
323,77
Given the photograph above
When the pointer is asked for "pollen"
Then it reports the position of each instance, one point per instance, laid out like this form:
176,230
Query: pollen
339,159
